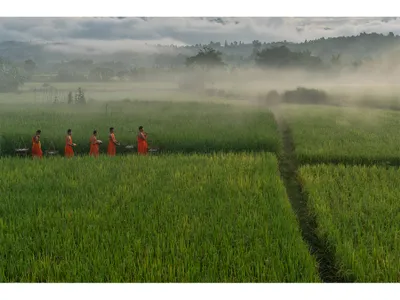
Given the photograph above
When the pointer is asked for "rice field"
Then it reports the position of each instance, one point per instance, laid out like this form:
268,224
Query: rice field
344,135
183,127
357,211
175,218
212,208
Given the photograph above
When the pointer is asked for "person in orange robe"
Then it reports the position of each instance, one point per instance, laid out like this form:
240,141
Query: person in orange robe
94,145
69,150
142,141
112,143
36,145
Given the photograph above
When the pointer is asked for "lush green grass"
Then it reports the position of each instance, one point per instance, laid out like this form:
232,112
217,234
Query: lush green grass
211,218
357,212
183,127
332,134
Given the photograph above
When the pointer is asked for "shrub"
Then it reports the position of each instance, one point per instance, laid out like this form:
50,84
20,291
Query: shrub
303,95
272,98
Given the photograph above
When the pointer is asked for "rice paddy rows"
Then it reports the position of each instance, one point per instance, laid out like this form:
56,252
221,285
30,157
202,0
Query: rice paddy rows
175,218
358,213
210,218
184,127
344,135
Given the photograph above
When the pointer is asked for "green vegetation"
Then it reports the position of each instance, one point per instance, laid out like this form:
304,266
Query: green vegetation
210,216
282,57
357,212
183,127
354,135
202,211
175,218
206,58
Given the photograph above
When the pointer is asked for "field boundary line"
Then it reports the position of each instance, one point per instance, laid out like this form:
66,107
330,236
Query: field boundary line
348,105
288,168
349,163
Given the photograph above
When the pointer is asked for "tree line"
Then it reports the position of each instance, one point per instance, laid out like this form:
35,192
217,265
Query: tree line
273,55
12,77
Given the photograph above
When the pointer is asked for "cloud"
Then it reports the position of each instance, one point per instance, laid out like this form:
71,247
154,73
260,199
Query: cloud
112,34
97,47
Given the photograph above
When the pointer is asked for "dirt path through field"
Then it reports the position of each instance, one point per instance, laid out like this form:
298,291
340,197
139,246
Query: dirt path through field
288,170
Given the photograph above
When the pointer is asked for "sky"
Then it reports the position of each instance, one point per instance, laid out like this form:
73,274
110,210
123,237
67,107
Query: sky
128,32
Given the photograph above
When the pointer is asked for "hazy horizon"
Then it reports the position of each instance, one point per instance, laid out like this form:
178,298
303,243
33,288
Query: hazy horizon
124,33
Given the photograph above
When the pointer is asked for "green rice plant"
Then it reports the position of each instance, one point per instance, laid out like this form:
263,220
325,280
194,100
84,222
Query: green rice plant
357,211
184,127
348,135
175,218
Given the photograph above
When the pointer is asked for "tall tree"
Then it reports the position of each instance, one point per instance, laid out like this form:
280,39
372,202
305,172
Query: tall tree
281,57
257,44
335,60
256,48
29,66
206,58
10,77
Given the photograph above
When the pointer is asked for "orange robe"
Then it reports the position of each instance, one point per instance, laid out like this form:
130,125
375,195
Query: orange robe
36,148
94,147
142,144
69,151
112,148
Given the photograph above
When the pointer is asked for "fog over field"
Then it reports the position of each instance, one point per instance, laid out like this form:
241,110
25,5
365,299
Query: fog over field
345,54
199,149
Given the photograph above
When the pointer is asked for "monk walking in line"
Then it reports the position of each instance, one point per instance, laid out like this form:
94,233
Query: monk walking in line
94,145
36,145
112,143
142,141
69,151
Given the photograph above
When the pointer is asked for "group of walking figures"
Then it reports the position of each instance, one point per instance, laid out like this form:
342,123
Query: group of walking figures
94,144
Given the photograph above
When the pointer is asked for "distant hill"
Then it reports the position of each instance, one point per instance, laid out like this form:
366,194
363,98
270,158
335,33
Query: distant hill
351,48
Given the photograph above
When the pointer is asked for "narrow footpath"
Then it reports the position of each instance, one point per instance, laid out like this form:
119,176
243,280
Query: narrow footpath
288,169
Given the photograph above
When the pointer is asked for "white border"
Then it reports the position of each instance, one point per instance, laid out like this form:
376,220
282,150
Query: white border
181,8
200,291
254,8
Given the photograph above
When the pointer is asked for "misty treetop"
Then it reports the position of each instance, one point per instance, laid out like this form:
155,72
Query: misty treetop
282,57
23,61
10,77
206,58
